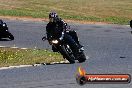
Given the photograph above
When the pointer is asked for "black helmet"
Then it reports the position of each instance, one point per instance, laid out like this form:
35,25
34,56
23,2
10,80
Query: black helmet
53,17
1,23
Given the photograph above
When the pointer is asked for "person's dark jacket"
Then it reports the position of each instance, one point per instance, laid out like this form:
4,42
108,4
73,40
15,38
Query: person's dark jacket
54,30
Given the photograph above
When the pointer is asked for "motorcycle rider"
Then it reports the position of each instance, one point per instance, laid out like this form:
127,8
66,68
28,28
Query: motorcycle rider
56,26
131,25
3,25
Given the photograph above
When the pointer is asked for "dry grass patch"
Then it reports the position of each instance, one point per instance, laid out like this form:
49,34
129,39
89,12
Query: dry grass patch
115,11
12,56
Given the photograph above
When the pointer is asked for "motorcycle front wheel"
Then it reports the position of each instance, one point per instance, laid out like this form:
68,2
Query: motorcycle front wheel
67,55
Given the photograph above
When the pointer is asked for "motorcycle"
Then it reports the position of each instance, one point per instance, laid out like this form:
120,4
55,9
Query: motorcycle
131,25
65,50
5,33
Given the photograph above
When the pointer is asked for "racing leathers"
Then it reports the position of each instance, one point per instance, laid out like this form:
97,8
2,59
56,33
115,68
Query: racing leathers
55,29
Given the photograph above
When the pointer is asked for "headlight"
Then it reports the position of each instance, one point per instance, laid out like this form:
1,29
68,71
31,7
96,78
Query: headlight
4,25
55,41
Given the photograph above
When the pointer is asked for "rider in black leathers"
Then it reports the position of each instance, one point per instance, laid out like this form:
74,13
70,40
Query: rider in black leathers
54,29
131,23
3,26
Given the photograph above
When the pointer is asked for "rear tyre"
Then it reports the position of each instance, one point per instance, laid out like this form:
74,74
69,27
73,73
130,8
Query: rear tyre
81,57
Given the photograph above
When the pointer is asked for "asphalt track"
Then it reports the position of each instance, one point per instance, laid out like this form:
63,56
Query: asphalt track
109,48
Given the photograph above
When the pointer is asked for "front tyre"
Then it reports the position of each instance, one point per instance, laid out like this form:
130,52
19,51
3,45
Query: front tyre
67,55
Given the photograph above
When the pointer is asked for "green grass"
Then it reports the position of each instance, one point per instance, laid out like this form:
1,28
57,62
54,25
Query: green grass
113,11
12,56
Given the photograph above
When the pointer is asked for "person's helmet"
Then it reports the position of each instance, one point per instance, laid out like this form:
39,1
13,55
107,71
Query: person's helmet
1,23
53,17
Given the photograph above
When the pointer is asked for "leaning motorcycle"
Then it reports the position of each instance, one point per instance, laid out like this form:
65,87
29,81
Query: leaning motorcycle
65,50
5,33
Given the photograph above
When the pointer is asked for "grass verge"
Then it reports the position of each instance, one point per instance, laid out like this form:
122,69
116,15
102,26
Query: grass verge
12,56
113,11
